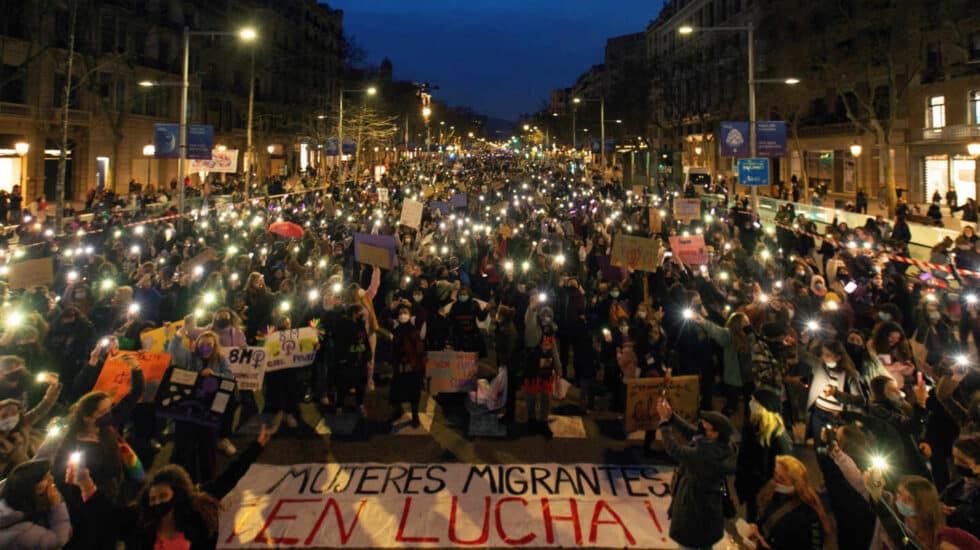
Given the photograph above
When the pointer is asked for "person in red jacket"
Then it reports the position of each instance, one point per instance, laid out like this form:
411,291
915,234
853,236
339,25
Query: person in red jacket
409,351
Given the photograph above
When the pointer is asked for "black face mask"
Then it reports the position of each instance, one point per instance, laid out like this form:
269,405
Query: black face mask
221,323
965,472
156,512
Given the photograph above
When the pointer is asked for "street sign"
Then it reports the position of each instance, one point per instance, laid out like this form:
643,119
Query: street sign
735,139
166,141
331,147
753,171
200,141
770,138
610,145
350,146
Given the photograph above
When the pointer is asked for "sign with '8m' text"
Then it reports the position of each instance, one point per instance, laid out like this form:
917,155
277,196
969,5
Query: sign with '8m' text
448,505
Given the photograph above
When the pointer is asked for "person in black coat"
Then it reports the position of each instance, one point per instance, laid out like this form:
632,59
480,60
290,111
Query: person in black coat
792,516
961,498
764,438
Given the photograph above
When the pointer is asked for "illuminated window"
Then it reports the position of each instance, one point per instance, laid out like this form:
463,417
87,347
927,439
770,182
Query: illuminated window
936,112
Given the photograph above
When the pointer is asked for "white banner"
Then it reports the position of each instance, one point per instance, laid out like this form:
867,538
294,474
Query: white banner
411,213
248,364
221,161
289,349
447,506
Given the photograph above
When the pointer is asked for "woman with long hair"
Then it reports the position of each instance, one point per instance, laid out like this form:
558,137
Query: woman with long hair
834,385
258,305
33,515
792,516
913,517
736,339
764,438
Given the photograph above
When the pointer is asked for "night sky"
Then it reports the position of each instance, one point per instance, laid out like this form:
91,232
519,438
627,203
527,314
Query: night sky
500,57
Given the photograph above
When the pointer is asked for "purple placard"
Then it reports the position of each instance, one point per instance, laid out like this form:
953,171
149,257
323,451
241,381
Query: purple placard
441,206
387,242
458,200
735,139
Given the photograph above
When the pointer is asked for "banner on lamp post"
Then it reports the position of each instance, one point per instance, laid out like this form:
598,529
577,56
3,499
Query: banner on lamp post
735,139
166,141
200,141
770,138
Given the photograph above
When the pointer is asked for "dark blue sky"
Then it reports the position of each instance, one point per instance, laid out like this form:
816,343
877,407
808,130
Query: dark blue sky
501,57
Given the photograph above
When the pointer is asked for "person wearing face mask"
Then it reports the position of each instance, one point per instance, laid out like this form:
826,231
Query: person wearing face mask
195,446
463,313
889,343
833,384
764,438
792,515
912,518
542,364
25,342
705,457
409,366
507,345
33,515
17,426
896,425
171,512
224,323
961,498
71,336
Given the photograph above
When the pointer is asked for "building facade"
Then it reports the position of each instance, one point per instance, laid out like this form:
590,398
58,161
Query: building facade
298,59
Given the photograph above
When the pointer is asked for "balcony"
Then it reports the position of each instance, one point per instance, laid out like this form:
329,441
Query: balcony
959,132
15,110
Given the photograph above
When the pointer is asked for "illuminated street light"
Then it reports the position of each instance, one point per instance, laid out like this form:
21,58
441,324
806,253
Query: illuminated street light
248,34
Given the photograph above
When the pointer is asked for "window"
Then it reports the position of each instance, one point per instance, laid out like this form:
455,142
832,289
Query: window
12,86
974,107
936,112
934,57
975,46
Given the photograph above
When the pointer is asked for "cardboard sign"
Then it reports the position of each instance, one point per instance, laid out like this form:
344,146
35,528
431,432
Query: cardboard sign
687,209
656,223
451,371
448,505
156,340
383,195
31,273
690,250
116,375
411,213
642,395
189,397
376,250
633,252
248,364
290,349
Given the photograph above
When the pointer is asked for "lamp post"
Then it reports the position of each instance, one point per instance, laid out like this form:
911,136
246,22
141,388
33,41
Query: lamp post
148,152
249,150
856,150
247,35
974,150
340,125
22,149
426,113
575,103
602,129
750,31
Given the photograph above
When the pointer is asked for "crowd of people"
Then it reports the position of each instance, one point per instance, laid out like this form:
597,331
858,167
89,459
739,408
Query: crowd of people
808,350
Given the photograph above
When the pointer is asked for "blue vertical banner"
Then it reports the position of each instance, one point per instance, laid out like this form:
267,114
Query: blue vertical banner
331,149
166,141
735,139
200,141
753,171
770,138
350,146
610,145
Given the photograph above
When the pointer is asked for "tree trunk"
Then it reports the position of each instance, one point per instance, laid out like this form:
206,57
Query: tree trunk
59,189
888,171
117,138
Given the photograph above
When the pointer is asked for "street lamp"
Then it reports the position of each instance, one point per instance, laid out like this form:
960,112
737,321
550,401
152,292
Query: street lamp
246,34
856,150
21,149
575,103
602,129
148,152
370,91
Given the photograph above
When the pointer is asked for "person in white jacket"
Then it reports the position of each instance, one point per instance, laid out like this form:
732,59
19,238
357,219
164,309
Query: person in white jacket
32,513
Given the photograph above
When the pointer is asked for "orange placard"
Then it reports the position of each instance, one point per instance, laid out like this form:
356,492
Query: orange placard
115,376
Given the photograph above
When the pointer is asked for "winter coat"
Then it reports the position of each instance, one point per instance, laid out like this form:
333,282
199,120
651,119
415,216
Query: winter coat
798,529
17,532
16,445
736,370
756,463
696,512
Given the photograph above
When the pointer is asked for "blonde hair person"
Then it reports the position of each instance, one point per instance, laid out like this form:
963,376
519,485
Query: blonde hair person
768,424
792,515
764,438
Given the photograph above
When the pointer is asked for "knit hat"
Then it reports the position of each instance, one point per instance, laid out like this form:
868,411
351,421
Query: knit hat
720,423
768,399
818,286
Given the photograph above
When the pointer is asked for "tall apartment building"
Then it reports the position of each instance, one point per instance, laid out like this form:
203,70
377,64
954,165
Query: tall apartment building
120,43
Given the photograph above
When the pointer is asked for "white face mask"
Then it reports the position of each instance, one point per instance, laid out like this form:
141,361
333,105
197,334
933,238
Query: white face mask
9,423
641,314
404,318
783,489
831,364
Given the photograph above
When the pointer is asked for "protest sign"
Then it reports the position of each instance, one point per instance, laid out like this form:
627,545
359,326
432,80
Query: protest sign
458,200
635,252
440,206
156,340
411,213
248,364
687,209
116,374
656,223
690,250
451,371
642,395
289,349
376,250
31,273
383,195
187,396
451,505
221,162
